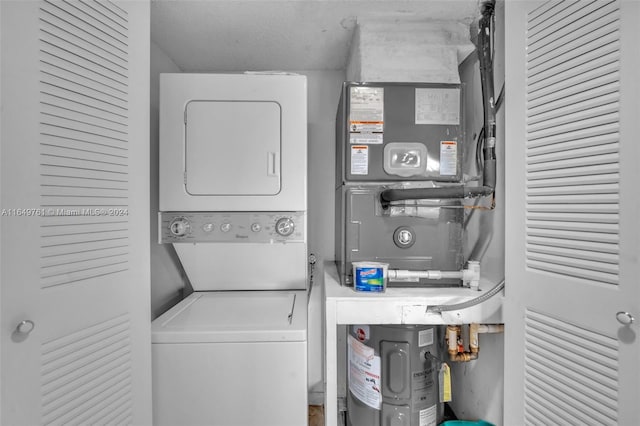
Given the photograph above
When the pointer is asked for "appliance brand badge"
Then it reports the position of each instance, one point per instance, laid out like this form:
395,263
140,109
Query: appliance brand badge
369,272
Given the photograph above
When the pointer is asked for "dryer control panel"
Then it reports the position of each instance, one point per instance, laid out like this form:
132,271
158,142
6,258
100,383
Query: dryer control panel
230,227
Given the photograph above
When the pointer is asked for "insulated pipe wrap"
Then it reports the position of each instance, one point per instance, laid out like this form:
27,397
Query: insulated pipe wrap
457,192
389,195
489,173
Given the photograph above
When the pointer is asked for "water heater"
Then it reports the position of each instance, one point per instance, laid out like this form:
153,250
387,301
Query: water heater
392,376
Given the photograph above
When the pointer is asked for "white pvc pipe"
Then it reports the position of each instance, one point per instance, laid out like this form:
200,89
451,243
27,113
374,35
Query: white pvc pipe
404,274
470,276
491,328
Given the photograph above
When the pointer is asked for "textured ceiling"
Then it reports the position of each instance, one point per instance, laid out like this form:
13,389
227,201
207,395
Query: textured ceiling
246,35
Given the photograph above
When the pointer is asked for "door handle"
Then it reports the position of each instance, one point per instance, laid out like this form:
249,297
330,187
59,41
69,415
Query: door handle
273,164
25,327
22,331
625,318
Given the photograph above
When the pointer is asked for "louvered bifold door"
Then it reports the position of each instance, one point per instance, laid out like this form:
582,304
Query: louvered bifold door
75,176
572,235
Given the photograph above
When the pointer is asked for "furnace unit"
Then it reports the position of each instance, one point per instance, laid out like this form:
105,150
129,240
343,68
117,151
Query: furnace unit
399,137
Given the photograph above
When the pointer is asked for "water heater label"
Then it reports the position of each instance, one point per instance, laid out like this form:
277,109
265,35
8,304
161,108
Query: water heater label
448,158
425,337
437,106
428,416
444,382
359,160
364,374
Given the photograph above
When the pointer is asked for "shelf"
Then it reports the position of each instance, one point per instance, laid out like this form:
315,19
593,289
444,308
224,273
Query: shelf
401,305
343,305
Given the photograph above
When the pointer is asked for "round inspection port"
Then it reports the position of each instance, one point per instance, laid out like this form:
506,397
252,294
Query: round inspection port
404,237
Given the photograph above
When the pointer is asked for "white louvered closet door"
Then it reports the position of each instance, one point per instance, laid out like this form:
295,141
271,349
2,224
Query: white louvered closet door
572,219
75,219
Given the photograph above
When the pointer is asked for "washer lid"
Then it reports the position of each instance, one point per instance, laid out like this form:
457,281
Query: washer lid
234,316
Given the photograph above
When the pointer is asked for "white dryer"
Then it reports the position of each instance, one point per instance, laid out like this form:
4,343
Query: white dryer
233,203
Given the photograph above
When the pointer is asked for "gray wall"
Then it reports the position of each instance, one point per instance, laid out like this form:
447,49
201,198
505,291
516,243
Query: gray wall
167,278
324,94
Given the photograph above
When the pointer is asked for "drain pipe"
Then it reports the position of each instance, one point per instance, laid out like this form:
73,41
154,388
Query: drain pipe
470,277
455,344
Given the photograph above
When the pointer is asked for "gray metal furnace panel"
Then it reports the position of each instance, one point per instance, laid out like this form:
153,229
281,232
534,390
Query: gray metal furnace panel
368,233
399,132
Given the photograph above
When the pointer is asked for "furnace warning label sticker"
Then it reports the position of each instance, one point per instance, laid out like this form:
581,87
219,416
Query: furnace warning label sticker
438,106
368,138
364,373
359,160
366,115
448,158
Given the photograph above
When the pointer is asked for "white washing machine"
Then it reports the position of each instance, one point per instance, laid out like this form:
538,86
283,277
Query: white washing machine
232,358
233,204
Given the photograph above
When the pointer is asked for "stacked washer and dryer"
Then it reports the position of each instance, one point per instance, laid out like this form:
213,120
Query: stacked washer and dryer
233,167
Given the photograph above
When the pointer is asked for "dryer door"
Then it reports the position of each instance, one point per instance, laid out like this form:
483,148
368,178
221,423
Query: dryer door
232,148
233,142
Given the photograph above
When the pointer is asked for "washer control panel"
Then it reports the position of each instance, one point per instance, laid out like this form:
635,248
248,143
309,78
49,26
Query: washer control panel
219,227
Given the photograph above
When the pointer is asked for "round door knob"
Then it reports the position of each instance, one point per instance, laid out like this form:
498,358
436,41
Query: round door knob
25,327
625,318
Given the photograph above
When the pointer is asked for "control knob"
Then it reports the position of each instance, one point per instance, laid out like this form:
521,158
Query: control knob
179,227
285,226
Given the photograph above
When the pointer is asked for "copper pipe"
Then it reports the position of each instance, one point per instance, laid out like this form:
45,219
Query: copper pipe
455,342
